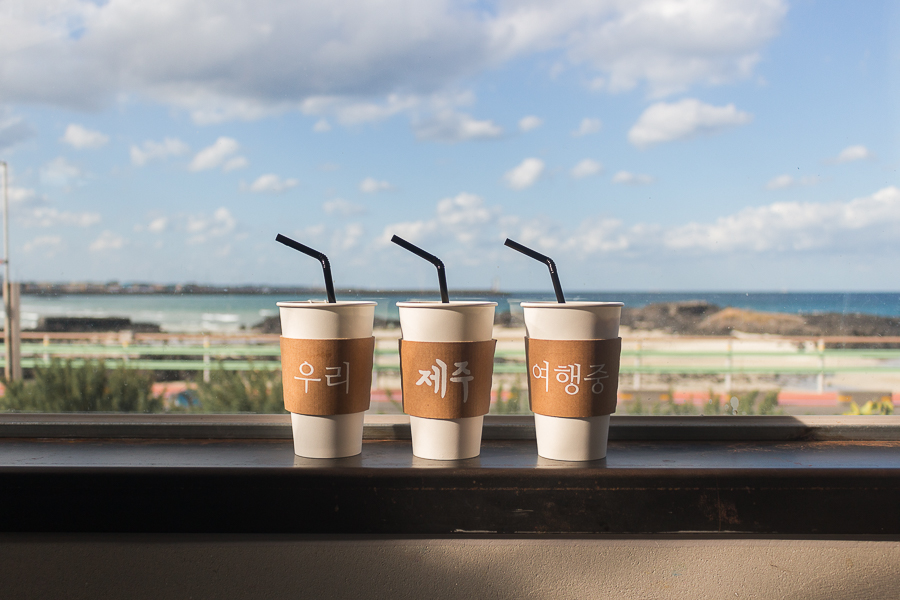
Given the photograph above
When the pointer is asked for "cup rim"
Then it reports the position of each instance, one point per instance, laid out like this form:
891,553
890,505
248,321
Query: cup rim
574,304
439,304
323,303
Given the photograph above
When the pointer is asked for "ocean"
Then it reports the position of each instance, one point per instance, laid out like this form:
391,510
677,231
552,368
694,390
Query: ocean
229,313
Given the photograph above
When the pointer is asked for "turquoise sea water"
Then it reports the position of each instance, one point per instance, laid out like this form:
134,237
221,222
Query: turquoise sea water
228,313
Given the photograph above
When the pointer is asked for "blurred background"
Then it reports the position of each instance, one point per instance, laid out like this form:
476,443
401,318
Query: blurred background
728,169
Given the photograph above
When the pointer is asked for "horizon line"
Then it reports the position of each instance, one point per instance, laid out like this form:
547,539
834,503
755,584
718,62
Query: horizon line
126,286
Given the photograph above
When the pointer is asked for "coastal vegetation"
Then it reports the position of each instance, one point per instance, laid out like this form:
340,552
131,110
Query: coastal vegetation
511,402
872,407
255,391
65,386
91,386
753,402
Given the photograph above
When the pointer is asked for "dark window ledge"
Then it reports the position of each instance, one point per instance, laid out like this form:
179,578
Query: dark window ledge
396,427
739,475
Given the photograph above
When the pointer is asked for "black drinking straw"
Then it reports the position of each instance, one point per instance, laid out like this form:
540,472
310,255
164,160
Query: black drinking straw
544,259
326,266
442,278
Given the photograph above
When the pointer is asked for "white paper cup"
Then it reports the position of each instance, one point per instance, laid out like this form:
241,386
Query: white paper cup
328,436
567,438
462,321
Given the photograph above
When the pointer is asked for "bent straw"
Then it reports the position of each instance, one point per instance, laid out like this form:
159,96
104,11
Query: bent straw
442,278
326,266
544,259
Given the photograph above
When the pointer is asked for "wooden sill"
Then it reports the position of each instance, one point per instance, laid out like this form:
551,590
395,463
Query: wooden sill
775,476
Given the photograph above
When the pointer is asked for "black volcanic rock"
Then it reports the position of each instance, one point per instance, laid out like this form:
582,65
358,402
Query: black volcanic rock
702,318
273,324
671,317
269,325
854,324
93,324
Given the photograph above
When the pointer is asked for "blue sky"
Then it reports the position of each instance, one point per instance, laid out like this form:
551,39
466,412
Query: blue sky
648,145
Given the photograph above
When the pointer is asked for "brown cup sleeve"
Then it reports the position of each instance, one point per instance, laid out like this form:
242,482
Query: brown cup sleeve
573,378
327,377
446,380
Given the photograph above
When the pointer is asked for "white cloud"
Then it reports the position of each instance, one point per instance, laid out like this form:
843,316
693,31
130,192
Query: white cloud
224,222
798,226
786,181
475,232
158,225
352,111
48,242
312,233
464,218
80,137
51,217
229,62
452,126
462,210
411,231
670,46
530,122
780,182
202,228
586,168
464,229
854,153
349,237
370,185
594,235
233,164
587,127
628,178
321,126
363,60
196,224
18,195
150,150
211,109
213,156
339,206
782,227
60,172
107,241
271,183
525,174
13,130
663,122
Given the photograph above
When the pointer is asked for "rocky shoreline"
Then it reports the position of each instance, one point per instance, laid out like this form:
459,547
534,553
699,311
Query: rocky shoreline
675,318
702,318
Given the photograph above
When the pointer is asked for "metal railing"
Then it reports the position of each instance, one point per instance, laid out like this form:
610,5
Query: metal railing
713,356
